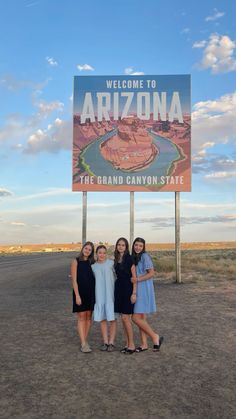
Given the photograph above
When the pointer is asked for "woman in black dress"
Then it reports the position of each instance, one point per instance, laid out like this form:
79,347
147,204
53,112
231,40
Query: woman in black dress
125,290
83,283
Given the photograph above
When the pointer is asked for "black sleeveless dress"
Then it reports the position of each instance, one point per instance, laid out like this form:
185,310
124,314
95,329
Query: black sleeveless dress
86,285
124,286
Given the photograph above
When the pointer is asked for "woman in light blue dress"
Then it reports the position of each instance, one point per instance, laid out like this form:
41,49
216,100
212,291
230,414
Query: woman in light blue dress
145,299
104,313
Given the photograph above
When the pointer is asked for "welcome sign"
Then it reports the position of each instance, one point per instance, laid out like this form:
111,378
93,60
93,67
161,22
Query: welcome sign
132,133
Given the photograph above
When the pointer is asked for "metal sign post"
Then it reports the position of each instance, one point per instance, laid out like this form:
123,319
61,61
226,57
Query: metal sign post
131,234
84,218
177,238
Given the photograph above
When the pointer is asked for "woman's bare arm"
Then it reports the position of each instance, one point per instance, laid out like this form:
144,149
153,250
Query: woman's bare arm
133,271
150,274
74,278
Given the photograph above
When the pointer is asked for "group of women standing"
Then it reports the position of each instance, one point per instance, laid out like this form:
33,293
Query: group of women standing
108,288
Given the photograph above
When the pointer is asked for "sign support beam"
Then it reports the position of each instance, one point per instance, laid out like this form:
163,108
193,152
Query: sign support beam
131,234
84,218
177,238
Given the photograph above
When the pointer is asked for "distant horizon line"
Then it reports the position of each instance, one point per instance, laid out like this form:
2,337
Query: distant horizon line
79,243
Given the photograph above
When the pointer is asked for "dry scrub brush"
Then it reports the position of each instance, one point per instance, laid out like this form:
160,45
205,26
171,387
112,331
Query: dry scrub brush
219,262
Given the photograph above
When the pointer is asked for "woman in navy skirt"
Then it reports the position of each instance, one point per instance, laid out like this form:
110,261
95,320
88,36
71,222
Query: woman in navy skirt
83,283
125,291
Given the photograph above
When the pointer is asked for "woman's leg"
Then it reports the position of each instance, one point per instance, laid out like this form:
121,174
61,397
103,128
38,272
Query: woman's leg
103,325
143,336
88,323
126,338
128,330
81,327
112,333
142,323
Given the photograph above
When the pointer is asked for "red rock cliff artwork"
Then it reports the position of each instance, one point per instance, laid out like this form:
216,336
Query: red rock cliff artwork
131,149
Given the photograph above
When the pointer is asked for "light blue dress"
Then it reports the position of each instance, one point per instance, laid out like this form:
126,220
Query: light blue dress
145,302
104,290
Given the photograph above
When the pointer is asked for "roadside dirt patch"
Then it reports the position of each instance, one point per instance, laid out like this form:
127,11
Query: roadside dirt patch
44,375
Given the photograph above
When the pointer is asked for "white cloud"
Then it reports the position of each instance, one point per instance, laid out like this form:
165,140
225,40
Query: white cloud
18,146
216,167
51,61
18,224
218,54
198,157
216,15
5,192
11,83
214,121
164,222
45,194
47,209
45,108
137,73
55,137
85,67
209,144
18,127
57,221
221,175
130,71
207,206
199,44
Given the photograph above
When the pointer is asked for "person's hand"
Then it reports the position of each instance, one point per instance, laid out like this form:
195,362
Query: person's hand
133,298
134,279
78,301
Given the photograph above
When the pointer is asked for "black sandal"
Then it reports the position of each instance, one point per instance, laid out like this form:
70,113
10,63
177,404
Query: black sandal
130,351
123,350
156,348
140,349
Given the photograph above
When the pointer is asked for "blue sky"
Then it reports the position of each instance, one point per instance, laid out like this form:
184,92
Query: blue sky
43,45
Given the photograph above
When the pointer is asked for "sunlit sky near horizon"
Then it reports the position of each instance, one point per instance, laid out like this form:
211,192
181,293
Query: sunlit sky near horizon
43,45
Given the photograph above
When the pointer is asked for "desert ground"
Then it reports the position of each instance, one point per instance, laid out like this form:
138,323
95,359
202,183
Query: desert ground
75,247
44,375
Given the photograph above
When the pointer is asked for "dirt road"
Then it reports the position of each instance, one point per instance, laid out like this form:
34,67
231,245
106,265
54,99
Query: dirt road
43,374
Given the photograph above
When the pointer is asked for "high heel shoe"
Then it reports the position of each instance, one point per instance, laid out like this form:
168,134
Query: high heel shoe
156,348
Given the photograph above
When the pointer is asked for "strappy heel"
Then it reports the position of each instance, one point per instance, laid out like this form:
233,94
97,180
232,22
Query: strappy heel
130,351
156,348
140,349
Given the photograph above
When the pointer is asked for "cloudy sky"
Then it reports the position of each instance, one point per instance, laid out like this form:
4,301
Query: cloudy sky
44,43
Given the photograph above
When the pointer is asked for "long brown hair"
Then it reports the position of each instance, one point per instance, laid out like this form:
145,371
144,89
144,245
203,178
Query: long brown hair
91,257
117,254
137,256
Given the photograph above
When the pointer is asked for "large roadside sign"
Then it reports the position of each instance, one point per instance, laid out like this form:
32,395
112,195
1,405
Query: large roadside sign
132,133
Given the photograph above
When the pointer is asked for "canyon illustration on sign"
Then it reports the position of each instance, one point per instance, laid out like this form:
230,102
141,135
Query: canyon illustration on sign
132,133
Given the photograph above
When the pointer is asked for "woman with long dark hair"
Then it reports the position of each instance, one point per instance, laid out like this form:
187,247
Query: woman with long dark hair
145,301
83,283
125,291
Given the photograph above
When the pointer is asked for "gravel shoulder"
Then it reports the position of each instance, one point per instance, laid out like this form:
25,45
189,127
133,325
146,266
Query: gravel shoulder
44,375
